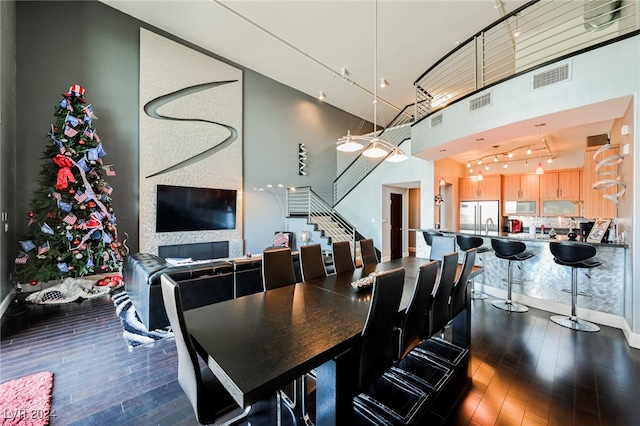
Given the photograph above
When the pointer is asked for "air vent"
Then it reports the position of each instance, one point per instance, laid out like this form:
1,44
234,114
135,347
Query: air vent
597,140
436,120
480,102
554,75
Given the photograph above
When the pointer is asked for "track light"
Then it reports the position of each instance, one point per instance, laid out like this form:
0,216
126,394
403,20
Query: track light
322,96
383,83
529,151
549,160
468,165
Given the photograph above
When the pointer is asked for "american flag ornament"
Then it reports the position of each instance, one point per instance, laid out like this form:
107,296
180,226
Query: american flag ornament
92,154
64,206
56,195
70,219
88,132
46,229
70,131
110,170
107,188
101,151
22,258
80,196
43,248
27,245
89,111
72,120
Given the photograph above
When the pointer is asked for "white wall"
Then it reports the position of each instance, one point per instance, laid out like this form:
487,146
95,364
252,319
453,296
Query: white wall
368,205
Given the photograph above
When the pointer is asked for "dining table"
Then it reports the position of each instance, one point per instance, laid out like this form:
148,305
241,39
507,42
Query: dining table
259,343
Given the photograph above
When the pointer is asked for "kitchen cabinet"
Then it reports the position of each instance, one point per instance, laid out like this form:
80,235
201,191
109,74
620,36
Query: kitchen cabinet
520,187
595,206
488,188
560,185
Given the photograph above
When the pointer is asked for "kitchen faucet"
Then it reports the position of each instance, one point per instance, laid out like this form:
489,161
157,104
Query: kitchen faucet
486,225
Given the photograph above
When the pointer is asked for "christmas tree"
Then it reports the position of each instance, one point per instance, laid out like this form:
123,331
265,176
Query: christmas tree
71,228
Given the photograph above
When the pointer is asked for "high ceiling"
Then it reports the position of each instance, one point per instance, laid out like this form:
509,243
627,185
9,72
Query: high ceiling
307,44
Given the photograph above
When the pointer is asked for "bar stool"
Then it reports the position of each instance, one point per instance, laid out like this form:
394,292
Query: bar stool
513,251
466,242
576,256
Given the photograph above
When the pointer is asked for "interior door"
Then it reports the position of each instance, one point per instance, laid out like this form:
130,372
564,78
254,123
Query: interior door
396,226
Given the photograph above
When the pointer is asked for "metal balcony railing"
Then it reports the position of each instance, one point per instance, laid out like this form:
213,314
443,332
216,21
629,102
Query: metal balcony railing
536,34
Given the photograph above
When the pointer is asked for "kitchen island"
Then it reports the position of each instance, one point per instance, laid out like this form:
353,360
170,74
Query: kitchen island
544,283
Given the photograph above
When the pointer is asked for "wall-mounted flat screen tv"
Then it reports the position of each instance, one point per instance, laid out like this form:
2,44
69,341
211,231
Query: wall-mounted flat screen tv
181,208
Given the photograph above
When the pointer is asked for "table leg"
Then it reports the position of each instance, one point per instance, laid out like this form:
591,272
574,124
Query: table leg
461,331
335,389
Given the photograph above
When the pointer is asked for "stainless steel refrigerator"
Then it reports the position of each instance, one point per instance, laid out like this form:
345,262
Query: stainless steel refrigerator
478,217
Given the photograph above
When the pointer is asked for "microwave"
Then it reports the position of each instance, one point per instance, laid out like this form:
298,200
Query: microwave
520,207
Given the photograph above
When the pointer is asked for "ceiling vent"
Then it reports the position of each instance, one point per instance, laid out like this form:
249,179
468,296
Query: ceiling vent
480,102
436,120
597,140
552,76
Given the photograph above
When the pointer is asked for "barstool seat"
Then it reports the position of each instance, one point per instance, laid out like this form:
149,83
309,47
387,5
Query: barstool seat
574,255
513,251
466,242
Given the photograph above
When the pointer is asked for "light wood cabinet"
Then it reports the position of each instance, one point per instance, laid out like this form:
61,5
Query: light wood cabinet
520,187
595,206
488,188
560,185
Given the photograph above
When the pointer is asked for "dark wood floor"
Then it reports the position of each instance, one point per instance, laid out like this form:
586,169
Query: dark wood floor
523,370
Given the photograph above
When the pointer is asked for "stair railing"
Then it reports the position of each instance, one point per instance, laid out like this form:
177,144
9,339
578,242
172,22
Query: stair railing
303,201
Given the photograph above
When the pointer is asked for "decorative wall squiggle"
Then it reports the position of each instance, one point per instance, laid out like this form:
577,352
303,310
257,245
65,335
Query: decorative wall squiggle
611,160
302,159
151,109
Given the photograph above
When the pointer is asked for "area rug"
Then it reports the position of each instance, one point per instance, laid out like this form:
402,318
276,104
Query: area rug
135,332
27,401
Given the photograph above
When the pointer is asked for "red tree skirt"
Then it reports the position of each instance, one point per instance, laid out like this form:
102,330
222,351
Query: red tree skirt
27,401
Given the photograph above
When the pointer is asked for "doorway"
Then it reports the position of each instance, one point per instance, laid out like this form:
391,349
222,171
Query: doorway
396,217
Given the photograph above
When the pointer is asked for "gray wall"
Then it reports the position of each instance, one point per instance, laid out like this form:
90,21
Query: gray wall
103,56
7,142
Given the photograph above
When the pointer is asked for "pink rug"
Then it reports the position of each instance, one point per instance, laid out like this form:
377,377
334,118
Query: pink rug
27,401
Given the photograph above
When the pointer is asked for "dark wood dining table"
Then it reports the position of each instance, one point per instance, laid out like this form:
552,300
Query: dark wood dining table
259,343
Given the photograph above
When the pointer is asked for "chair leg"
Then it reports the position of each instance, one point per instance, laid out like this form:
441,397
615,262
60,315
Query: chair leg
475,294
573,322
237,418
508,304
303,403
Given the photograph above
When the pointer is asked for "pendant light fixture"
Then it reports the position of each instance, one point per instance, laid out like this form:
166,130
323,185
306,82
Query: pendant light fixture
378,147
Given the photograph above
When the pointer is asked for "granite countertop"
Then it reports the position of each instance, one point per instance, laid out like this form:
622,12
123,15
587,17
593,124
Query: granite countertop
524,236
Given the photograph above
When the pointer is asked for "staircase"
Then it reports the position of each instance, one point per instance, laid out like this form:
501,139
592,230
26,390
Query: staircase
303,202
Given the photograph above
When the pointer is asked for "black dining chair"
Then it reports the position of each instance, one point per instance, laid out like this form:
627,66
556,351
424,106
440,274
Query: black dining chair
368,252
277,268
342,259
209,399
312,262
459,292
410,331
440,315
418,366
377,356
